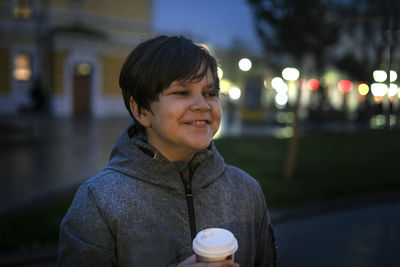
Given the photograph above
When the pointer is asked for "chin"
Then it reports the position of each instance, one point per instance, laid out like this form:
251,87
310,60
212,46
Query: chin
201,145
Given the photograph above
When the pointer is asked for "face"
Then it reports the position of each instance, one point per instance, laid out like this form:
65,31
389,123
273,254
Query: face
185,118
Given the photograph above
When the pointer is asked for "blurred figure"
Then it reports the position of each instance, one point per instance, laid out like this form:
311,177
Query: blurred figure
38,96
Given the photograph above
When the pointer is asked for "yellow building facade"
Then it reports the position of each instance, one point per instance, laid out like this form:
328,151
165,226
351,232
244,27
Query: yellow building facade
72,50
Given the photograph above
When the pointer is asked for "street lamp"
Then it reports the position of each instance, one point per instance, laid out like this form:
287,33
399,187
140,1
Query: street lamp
379,89
245,64
279,85
234,93
393,89
281,88
281,99
290,74
379,76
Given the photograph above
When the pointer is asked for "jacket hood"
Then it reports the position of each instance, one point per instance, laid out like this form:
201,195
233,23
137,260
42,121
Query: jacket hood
134,157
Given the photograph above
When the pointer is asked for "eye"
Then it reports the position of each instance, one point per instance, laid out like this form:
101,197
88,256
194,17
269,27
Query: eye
182,93
213,93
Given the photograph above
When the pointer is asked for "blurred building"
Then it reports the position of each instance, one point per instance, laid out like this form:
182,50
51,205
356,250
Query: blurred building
341,92
64,56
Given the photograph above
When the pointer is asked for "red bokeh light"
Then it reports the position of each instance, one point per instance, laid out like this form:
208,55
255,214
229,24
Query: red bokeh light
313,84
345,86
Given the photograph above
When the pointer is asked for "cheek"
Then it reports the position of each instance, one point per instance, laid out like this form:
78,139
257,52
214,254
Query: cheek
217,111
217,114
168,112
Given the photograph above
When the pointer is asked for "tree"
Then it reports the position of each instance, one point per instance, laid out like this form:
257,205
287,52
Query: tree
298,29
377,24
295,27
367,24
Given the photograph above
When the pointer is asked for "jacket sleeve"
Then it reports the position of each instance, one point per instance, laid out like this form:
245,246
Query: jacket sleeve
85,237
267,251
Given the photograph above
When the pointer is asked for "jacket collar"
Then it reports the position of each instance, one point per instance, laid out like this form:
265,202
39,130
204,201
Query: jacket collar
133,156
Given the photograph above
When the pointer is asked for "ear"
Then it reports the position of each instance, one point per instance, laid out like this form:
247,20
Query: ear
143,117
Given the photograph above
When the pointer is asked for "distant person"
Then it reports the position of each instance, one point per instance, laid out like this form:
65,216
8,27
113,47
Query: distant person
38,96
166,180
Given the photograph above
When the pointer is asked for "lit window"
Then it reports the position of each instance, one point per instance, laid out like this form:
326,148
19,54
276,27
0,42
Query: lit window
22,9
22,67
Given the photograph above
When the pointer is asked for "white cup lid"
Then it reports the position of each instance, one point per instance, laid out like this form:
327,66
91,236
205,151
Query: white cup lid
215,242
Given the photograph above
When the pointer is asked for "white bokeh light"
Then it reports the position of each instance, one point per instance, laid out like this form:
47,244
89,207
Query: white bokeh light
279,85
290,74
245,64
393,76
393,89
379,89
234,93
379,75
281,99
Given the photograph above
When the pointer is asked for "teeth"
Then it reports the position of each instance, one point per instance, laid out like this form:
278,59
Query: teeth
199,122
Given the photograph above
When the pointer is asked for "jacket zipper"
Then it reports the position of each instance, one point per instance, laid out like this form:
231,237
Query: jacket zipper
189,201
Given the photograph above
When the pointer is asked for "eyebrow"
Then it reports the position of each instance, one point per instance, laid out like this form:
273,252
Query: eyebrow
210,85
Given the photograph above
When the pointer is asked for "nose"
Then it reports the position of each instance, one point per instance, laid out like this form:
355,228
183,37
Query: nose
200,103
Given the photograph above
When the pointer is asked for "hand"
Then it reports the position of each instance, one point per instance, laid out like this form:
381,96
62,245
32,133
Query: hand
191,261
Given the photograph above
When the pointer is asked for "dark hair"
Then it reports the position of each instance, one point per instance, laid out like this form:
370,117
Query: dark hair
154,64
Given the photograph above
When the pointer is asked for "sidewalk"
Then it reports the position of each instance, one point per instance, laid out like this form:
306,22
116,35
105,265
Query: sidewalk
42,160
365,236
45,156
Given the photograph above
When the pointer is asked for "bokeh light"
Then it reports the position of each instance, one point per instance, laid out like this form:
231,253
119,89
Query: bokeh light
84,69
363,89
393,76
285,117
235,93
345,85
220,73
379,75
245,64
379,89
393,89
225,85
281,99
313,84
279,85
290,74
285,132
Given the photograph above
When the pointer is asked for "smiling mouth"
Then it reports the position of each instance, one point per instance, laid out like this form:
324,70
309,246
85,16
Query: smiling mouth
204,122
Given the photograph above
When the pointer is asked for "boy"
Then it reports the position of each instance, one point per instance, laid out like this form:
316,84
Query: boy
166,180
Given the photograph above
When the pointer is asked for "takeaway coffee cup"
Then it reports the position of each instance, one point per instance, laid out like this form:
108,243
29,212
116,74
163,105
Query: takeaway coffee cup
214,244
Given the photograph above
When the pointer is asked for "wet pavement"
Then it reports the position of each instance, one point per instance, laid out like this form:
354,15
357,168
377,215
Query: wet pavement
51,156
366,237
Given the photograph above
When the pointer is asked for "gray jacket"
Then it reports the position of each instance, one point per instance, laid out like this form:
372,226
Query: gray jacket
143,210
